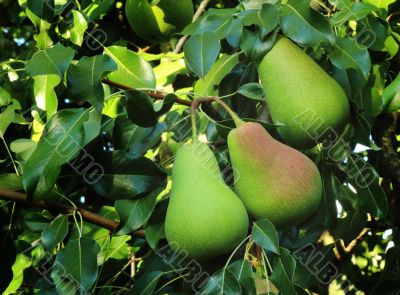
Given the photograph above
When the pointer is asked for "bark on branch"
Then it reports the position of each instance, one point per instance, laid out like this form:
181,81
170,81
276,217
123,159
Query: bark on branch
87,215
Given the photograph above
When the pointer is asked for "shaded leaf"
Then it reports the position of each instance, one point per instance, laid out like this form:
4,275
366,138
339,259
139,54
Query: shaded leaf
55,232
348,54
146,283
126,176
62,140
267,18
283,272
222,282
243,272
134,213
265,235
10,181
76,265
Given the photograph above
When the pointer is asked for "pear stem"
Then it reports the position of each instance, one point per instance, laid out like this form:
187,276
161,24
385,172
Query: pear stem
193,106
231,113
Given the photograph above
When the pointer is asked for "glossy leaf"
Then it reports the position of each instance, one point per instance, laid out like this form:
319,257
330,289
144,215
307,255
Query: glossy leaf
265,235
222,282
45,96
76,265
51,61
55,232
62,140
267,18
304,25
348,54
84,79
134,213
222,67
252,90
125,176
243,272
146,284
133,70
201,51
283,271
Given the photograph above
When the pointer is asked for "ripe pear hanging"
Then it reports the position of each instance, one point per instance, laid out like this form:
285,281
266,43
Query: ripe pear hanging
302,96
204,218
273,180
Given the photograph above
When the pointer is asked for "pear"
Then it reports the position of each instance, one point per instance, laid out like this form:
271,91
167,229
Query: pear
205,218
273,180
156,21
310,104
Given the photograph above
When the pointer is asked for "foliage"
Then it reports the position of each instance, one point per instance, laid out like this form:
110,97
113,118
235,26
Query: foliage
88,132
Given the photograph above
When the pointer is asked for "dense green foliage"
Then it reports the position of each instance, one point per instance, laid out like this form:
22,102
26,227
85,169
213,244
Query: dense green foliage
91,117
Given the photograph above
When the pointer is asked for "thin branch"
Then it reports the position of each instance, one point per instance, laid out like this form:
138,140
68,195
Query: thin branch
89,216
196,16
205,102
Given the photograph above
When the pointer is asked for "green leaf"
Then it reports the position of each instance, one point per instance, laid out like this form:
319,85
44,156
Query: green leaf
222,282
55,232
350,227
377,33
283,267
76,265
222,67
267,18
23,149
329,192
50,61
134,213
62,140
380,3
11,181
45,96
243,272
155,229
143,111
146,283
84,79
351,11
5,97
252,90
254,46
365,180
133,138
348,54
6,118
201,51
126,176
216,21
304,25
265,235
21,263
76,33
133,70
39,11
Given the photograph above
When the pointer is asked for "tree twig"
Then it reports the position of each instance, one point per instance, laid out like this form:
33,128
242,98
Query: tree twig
196,16
205,101
89,216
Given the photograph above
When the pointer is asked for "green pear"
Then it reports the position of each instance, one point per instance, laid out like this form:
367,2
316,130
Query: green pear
156,21
205,218
273,180
310,104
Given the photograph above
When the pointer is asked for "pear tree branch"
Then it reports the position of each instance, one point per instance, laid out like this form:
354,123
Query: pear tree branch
196,16
205,101
89,216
